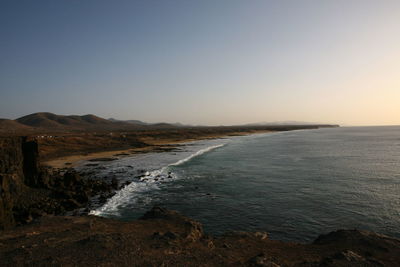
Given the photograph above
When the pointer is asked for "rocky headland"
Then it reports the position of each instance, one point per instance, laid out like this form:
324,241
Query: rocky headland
29,190
35,231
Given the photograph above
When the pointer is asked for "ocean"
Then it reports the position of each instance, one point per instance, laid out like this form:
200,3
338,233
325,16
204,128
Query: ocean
294,185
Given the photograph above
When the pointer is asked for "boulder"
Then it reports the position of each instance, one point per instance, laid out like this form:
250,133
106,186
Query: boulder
193,230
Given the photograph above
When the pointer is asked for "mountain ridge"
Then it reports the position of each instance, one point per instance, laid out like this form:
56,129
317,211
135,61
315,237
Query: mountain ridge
48,121
12,124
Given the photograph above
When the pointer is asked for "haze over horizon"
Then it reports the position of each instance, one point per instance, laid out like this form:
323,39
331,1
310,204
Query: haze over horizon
203,62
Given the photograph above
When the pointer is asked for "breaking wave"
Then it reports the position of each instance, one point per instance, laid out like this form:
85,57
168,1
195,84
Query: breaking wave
150,180
198,153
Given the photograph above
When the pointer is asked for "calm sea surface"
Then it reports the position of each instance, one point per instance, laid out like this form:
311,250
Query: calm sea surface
294,185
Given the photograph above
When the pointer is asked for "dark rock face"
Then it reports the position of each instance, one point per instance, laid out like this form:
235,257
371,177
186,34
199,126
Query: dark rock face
31,170
28,190
11,156
6,203
11,178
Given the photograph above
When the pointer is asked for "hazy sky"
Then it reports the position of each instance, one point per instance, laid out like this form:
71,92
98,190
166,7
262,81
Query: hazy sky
203,62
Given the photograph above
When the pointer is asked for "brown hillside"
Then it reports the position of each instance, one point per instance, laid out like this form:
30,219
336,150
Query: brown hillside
42,120
7,125
46,122
50,120
92,119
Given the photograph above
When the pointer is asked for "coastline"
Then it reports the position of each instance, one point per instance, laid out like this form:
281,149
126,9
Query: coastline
160,238
153,145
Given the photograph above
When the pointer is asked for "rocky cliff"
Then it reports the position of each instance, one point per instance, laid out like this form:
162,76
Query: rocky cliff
12,178
28,190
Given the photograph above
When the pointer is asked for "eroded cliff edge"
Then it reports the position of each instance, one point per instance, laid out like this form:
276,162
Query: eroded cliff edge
28,191
12,176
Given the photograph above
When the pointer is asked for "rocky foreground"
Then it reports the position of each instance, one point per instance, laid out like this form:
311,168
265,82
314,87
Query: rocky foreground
32,232
166,238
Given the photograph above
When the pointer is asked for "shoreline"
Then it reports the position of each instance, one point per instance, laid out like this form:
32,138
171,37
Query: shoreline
152,146
159,238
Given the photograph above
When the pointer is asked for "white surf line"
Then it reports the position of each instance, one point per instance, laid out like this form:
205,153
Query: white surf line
124,196
198,153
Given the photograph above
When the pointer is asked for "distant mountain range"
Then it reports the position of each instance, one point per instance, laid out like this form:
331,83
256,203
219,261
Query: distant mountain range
138,122
281,123
53,122
49,122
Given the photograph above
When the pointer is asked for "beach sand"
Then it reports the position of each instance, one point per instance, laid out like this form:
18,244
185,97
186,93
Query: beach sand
153,145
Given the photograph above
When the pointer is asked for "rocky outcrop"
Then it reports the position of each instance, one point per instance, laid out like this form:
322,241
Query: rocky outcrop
358,248
164,238
7,192
11,178
192,230
33,175
28,190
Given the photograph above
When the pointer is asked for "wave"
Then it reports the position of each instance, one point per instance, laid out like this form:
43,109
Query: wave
149,181
198,153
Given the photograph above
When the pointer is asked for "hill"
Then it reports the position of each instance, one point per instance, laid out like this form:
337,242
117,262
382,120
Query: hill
7,125
137,122
154,125
277,123
50,120
44,122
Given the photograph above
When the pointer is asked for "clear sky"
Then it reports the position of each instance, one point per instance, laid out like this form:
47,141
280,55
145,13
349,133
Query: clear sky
203,62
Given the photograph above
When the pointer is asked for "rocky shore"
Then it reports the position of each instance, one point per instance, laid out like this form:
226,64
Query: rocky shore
28,190
35,231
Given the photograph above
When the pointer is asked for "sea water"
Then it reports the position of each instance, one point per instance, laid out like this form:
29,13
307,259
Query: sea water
295,185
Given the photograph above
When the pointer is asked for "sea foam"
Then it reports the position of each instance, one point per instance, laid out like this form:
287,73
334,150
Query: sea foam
149,181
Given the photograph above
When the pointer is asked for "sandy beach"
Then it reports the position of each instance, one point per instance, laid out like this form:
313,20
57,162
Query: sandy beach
153,145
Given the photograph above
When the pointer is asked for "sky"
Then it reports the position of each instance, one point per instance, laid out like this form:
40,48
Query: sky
203,62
